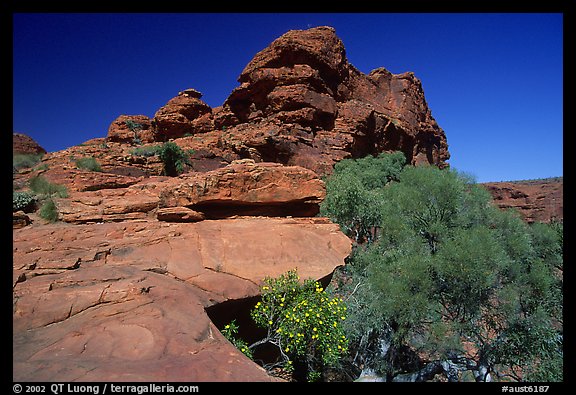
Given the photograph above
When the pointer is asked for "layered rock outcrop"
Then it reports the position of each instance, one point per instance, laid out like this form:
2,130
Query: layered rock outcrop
131,129
302,103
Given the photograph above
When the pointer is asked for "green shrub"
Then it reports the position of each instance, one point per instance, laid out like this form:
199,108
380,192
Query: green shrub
49,211
303,320
88,163
25,161
353,198
173,158
41,186
146,151
230,332
133,125
22,201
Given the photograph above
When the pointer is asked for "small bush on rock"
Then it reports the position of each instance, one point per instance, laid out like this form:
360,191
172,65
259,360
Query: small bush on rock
303,322
22,201
49,211
173,158
230,332
25,161
88,163
41,186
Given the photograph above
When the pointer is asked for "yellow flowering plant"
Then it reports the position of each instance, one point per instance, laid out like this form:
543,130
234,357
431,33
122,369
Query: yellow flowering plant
302,321
230,332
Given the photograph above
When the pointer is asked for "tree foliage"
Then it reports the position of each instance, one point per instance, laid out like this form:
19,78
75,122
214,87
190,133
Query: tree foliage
448,284
353,196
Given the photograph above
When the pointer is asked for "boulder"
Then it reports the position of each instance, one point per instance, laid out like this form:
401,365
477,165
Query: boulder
20,219
179,214
133,129
183,115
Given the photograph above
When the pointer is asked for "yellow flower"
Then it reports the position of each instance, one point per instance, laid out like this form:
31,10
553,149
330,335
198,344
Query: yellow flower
314,329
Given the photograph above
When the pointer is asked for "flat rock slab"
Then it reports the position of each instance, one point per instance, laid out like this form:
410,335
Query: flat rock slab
126,301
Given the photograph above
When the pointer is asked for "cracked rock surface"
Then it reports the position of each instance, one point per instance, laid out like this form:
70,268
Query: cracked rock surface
125,301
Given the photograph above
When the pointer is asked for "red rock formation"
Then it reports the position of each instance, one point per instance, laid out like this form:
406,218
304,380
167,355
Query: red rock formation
131,129
302,103
537,200
184,114
23,144
117,290
307,105
247,188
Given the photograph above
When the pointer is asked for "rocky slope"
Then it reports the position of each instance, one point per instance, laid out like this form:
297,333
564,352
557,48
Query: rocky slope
126,301
119,288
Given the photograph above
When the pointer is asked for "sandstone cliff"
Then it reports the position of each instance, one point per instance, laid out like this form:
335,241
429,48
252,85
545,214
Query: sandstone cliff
301,103
536,200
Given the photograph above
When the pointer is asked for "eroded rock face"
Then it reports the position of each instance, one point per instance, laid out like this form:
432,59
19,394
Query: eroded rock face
536,201
184,114
242,188
300,102
117,290
125,301
304,79
249,188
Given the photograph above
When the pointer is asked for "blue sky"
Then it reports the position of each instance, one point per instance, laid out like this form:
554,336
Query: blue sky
494,82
